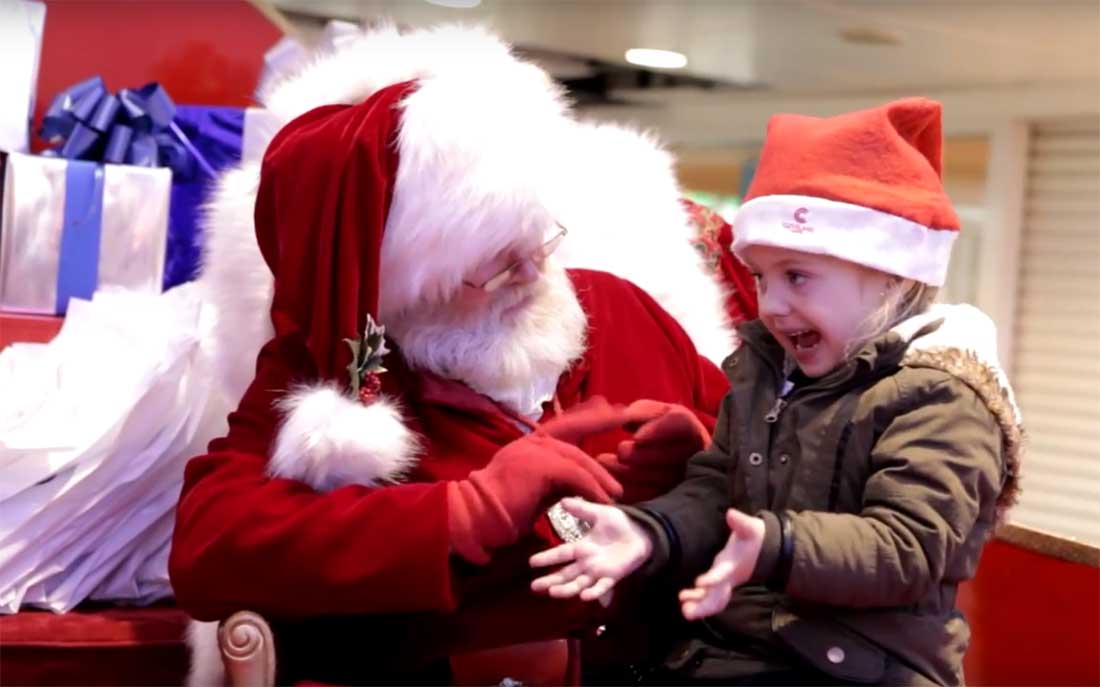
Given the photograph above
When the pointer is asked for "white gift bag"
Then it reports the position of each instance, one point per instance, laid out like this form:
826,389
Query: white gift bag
94,436
21,27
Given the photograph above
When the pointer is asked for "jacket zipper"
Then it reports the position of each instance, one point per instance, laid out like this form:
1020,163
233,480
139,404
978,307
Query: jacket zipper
773,414
771,418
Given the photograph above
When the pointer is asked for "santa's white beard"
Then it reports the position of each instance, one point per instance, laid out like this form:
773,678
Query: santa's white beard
515,358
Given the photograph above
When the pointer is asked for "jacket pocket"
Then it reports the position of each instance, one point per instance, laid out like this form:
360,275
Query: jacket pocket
830,647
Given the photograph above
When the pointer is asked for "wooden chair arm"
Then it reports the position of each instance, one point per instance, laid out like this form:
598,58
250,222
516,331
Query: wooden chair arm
247,649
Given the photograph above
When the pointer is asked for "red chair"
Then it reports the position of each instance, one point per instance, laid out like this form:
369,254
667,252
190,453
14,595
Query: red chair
1034,611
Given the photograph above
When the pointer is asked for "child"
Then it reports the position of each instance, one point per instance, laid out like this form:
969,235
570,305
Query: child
868,446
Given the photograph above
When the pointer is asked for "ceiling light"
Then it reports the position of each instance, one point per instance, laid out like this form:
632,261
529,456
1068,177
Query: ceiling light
661,59
458,4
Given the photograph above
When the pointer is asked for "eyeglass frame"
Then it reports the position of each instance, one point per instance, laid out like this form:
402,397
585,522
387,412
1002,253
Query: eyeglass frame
501,278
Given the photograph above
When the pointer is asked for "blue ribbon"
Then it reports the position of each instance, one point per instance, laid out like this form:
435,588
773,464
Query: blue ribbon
136,127
78,263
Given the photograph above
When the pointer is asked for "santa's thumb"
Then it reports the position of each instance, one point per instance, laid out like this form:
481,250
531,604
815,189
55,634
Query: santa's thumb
739,523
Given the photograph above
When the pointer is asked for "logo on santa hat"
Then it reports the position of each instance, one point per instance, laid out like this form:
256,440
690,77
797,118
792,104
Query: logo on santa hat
799,226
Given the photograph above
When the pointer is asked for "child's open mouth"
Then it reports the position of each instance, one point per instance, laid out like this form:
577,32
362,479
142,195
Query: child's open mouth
805,340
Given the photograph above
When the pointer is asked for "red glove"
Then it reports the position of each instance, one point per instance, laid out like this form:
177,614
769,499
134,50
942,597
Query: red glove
665,436
593,416
498,504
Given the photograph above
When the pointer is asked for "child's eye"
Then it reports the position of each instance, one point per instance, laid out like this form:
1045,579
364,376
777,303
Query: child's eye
796,278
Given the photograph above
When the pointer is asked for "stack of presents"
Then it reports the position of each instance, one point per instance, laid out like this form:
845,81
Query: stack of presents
104,170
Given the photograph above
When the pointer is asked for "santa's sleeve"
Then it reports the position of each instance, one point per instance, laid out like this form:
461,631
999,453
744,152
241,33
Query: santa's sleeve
246,540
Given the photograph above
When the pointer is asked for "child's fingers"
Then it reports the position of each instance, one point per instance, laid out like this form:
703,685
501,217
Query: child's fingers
719,573
606,599
690,610
583,509
692,594
710,603
564,553
572,588
602,587
558,578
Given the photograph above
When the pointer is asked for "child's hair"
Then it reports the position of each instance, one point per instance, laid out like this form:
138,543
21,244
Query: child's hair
903,299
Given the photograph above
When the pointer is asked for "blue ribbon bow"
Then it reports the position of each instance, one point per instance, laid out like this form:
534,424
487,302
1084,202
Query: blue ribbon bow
136,126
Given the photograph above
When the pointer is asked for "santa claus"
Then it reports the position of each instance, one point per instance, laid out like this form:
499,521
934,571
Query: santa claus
433,378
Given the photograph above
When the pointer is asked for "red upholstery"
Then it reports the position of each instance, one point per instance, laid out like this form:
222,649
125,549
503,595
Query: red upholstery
1035,618
30,328
94,646
555,662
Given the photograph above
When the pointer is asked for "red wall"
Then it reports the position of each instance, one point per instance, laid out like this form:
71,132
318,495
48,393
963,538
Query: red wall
204,52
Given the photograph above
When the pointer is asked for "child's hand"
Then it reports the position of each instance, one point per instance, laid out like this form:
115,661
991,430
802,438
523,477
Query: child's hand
732,566
612,549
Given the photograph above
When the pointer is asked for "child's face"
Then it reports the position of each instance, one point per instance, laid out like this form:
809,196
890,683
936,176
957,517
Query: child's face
814,305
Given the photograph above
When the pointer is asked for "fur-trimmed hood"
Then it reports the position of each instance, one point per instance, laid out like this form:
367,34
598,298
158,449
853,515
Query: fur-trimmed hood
964,345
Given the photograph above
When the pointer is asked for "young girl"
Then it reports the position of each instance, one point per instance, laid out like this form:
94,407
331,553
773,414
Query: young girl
868,446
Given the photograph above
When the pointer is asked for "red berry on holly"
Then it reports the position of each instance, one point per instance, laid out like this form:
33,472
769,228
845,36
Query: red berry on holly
369,388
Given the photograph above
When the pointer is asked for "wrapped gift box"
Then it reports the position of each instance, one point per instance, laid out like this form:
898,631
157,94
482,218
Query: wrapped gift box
72,226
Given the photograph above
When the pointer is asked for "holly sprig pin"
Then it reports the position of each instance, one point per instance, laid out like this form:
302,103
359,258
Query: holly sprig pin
366,361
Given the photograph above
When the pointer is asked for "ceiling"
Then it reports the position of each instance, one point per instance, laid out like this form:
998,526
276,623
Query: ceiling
765,53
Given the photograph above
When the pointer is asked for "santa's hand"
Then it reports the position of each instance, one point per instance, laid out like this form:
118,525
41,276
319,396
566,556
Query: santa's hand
593,416
731,567
654,422
666,435
496,505
612,549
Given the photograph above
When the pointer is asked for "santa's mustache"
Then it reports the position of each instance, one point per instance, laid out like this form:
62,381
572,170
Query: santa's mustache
497,351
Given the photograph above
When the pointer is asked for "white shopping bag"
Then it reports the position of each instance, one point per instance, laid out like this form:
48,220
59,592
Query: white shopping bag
21,27
128,388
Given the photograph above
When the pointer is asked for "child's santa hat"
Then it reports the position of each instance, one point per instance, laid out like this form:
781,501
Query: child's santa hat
864,187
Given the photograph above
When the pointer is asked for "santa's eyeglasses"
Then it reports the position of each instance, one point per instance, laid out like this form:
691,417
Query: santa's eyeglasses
505,275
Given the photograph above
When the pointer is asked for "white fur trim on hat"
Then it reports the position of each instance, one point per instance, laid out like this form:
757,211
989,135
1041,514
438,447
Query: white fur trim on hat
329,440
858,234
475,150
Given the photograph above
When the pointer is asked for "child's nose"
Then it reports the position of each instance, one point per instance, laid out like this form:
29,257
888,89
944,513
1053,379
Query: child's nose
773,303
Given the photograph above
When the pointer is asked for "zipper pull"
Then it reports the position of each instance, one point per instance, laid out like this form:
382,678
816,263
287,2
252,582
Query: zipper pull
777,408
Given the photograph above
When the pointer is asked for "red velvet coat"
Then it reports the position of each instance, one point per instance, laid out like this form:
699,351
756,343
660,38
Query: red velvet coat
244,540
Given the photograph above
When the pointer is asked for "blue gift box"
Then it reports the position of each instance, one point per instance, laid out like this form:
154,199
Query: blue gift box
56,246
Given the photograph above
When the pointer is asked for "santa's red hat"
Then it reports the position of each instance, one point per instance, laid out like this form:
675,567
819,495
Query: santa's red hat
367,210
864,187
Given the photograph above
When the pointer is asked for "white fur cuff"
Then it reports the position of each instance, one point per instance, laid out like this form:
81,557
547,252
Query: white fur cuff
329,440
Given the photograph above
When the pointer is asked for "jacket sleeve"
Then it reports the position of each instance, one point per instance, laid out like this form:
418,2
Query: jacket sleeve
935,471
246,540
688,524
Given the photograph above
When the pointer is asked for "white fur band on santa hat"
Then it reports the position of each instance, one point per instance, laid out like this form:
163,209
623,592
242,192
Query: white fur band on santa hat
858,234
